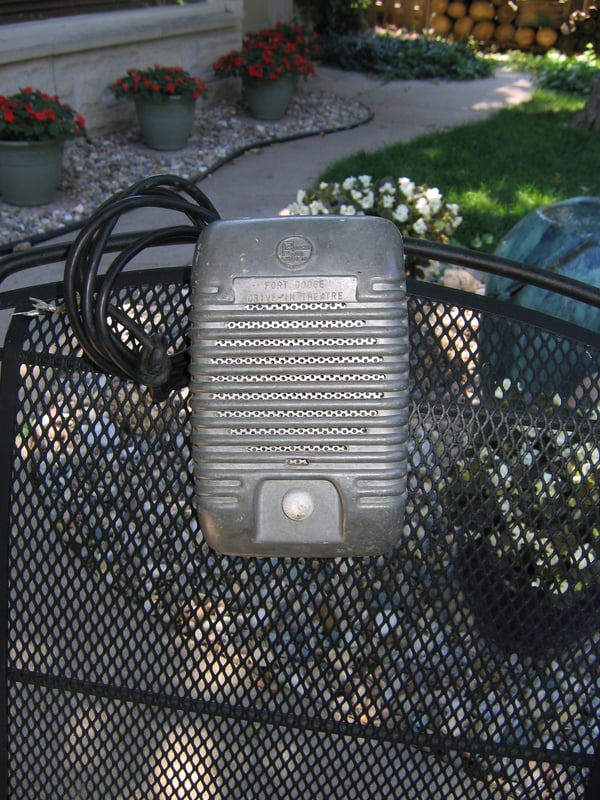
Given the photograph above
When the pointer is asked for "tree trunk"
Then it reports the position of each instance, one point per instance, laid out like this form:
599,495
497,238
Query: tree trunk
589,116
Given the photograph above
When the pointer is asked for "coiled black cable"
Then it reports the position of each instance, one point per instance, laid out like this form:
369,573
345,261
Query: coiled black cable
110,338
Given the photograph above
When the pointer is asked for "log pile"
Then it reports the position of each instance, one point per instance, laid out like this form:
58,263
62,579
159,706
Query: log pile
532,25
581,29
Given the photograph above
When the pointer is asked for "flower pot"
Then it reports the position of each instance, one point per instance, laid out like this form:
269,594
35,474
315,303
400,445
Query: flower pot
30,171
165,122
269,100
520,617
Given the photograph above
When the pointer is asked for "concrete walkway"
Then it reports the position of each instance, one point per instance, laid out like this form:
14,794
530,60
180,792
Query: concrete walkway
265,180
262,182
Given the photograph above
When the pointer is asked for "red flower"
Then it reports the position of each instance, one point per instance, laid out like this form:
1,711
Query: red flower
158,80
200,88
255,71
269,53
33,115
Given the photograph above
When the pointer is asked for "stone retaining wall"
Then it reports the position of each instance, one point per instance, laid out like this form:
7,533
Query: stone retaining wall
78,57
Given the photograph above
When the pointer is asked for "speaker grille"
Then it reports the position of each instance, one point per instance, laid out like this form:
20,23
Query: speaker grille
297,366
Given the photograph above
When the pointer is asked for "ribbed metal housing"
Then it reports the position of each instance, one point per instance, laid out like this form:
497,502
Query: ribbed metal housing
300,381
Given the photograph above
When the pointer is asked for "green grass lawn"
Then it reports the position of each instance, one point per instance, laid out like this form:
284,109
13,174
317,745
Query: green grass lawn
498,169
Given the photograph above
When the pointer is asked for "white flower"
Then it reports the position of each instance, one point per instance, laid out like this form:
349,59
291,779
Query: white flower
422,206
401,213
561,438
317,207
500,390
298,209
420,227
367,200
527,458
407,187
434,198
357,195
584,555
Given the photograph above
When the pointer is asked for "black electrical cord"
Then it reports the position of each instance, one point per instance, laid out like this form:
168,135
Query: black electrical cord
109,336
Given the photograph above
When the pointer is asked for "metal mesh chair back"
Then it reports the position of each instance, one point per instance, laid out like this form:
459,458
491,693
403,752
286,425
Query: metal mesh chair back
463,664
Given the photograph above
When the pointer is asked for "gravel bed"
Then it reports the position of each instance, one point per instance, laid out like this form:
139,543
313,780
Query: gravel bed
94,170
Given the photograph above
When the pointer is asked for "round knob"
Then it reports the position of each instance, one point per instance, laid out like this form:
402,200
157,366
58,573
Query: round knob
298,504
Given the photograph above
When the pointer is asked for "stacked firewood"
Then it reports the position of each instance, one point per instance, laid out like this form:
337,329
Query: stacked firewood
532,25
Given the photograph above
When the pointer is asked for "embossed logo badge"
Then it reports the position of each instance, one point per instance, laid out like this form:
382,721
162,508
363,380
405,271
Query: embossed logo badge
293,252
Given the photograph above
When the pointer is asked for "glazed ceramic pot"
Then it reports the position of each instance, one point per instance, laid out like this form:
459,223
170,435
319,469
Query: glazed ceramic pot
269,100
165,122
30,171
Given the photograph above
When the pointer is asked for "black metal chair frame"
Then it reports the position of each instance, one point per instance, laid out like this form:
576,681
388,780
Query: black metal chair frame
137,663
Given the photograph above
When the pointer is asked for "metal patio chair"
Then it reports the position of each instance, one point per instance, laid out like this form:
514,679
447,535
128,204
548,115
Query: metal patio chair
140,663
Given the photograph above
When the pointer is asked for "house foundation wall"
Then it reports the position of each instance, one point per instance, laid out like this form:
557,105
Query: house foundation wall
77,58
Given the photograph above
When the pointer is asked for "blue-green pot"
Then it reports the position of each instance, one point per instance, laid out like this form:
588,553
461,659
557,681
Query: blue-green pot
30,171
165,122
269,100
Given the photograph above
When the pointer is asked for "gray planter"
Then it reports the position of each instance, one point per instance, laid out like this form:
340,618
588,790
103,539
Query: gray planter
165,122
269,100
30,171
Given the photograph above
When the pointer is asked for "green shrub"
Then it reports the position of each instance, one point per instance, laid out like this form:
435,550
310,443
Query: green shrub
333,16
559,72
571,74
391,57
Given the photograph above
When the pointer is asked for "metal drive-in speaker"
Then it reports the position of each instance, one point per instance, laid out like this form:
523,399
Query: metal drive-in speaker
299,380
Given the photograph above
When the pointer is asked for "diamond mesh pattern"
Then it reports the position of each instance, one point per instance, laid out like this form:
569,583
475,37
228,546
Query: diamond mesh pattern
462,665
